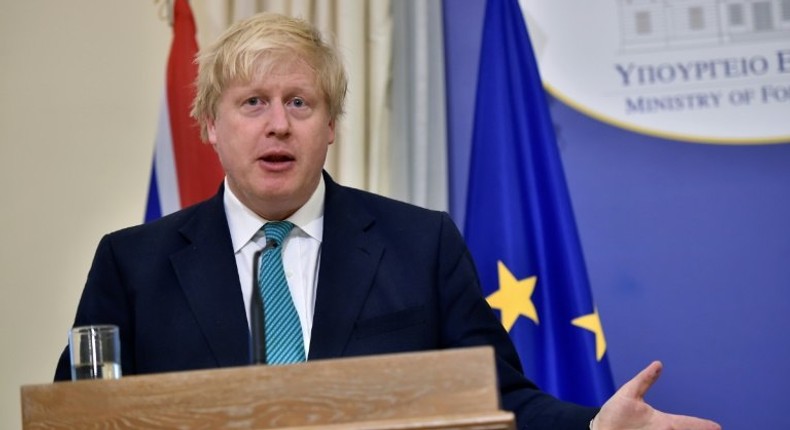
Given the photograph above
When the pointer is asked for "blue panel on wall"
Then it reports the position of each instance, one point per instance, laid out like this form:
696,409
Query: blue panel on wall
687,245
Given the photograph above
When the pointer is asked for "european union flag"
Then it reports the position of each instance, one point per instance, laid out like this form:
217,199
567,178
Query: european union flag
519,221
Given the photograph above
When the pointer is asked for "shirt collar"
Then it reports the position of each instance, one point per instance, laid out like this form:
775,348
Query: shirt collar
244,224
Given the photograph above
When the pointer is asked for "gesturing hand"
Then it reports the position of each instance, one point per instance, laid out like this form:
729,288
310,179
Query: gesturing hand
627,409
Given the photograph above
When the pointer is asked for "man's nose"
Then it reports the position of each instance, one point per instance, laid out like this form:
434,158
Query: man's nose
278,123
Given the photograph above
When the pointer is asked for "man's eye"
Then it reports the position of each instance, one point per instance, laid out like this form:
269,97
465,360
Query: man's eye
298,102
253,101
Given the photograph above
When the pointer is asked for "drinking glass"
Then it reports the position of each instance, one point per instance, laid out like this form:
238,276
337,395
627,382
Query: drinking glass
95,352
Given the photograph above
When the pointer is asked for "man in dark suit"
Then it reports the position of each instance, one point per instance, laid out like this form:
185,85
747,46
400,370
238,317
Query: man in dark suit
366,274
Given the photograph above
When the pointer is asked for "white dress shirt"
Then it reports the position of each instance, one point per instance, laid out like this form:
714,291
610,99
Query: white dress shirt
301,251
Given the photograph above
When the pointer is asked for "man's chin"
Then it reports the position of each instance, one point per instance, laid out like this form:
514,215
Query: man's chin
276,205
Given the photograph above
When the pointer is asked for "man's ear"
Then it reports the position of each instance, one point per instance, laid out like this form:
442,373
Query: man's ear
211,132
332,131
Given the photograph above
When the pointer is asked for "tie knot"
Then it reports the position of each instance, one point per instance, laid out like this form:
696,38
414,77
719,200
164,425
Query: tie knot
277,230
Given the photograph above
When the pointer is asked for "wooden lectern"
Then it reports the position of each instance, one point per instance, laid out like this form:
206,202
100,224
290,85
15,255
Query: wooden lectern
428,390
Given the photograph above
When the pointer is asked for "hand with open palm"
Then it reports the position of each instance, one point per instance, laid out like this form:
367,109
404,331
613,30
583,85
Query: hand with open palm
627,409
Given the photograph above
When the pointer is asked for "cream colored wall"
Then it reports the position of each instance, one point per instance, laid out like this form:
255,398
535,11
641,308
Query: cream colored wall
80,87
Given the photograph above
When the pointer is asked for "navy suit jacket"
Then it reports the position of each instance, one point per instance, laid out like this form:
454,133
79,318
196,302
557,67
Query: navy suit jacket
393,278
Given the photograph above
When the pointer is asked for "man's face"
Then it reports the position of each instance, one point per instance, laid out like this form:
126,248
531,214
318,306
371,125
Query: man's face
272,135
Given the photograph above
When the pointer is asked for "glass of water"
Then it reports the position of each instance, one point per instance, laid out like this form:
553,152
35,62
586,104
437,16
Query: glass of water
95,352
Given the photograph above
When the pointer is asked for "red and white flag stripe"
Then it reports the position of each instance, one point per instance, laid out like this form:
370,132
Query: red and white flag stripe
185,170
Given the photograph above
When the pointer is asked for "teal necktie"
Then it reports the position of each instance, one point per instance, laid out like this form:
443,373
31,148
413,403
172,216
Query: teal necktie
284,342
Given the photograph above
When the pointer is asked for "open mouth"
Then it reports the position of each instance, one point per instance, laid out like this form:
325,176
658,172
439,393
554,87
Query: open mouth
277,158
276,161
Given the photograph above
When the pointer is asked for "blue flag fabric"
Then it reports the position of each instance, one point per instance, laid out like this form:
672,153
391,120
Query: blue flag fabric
519,221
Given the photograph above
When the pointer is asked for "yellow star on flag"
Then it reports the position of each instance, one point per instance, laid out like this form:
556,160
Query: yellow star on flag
592,322
514,297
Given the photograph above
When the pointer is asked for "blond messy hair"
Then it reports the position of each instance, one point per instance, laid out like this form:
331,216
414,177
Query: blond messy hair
251,47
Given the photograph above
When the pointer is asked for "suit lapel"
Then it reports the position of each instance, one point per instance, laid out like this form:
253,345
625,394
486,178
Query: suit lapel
349,260
206,269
